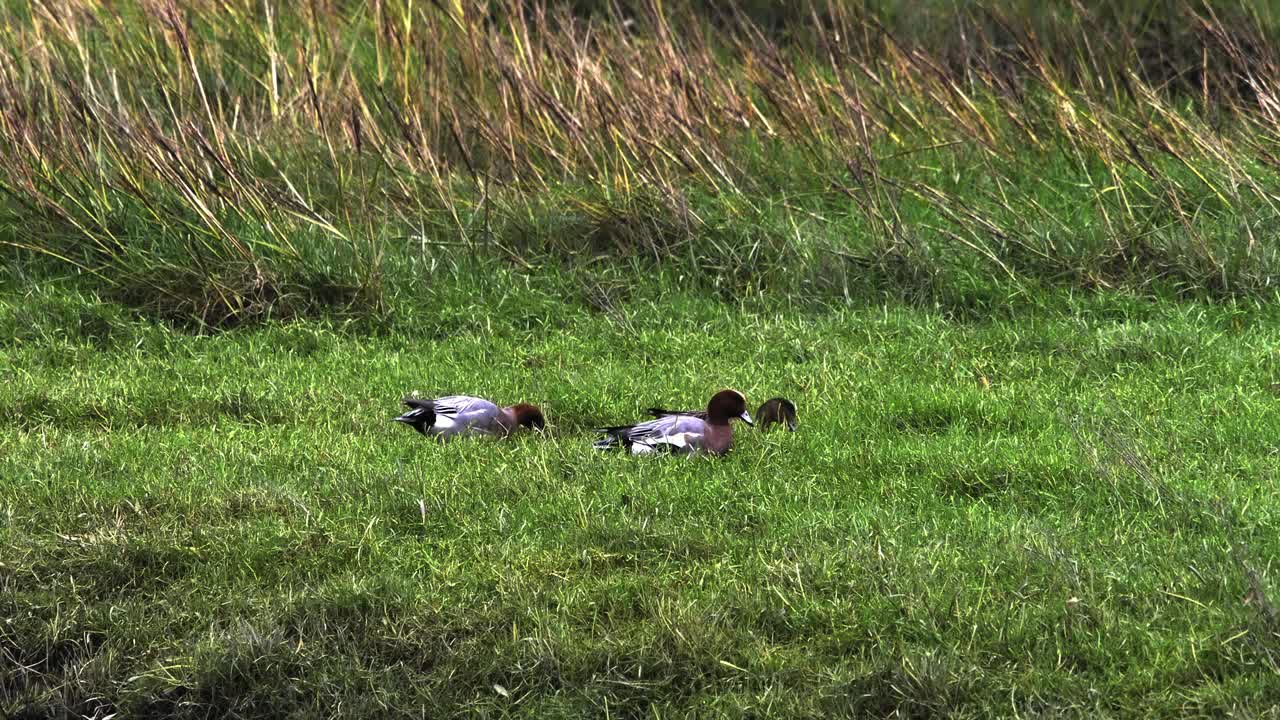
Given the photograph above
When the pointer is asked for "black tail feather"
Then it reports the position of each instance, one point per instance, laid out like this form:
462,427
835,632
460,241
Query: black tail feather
421,416
615,436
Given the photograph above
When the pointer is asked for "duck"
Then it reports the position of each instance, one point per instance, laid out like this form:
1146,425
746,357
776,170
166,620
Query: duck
706,432
778,410
453,415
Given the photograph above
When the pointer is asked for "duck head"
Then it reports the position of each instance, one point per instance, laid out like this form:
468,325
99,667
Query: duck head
777,410
528,416
727,405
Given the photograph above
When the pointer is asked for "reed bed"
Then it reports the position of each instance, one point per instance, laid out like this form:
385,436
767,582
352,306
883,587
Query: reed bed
222,162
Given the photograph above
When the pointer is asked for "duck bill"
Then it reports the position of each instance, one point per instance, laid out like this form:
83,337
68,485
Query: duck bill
746,418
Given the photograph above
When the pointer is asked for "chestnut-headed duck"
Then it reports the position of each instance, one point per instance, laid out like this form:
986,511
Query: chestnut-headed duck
446,417
777,410
704,432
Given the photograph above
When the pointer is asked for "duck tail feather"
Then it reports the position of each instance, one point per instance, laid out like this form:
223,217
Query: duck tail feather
605,443
421,417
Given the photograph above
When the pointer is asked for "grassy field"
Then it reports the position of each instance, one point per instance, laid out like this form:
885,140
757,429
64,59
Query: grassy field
1068,509
1016,264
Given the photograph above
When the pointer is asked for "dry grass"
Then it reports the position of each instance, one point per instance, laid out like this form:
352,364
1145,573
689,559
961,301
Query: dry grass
209,159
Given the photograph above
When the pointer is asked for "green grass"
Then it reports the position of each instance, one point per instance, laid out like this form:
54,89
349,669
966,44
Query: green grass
1064,508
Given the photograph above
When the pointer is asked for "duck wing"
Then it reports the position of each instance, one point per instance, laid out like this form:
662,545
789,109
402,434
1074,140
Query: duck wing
455,413
450,414
676,433
662,412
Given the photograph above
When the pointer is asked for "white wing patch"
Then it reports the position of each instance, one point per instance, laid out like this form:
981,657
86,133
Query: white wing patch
685,442
463,414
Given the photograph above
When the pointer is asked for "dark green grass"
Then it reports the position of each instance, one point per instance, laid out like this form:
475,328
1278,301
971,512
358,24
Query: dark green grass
1063,508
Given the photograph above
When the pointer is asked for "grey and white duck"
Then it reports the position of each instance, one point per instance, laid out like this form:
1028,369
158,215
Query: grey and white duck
705,432
453,415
